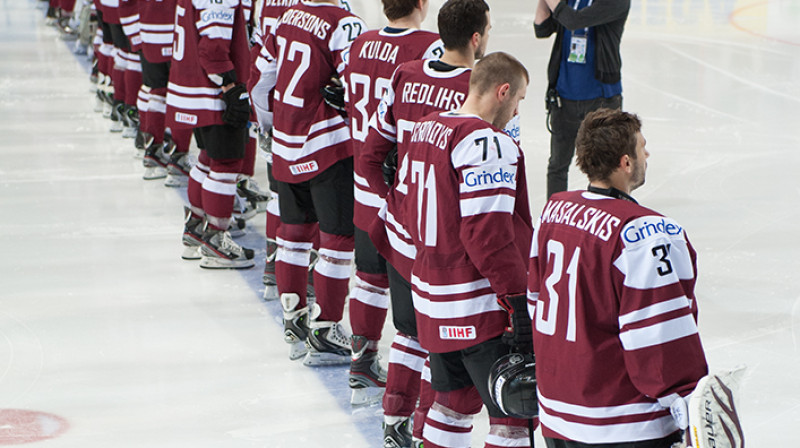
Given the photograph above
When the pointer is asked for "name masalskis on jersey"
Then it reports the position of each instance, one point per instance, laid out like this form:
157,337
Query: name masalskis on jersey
436,96
307,22
431,132
589,219
382,51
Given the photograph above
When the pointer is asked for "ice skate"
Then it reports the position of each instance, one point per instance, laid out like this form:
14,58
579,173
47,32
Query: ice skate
367,377
248,189
219,251
328,343
270,283
397,434
155,162
192,236
295,325
178,171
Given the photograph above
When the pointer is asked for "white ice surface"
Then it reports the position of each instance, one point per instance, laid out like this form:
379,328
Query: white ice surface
102,324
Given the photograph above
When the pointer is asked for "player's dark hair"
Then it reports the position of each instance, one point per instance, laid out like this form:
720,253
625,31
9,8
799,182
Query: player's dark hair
397,9
604,137
459,20
495,69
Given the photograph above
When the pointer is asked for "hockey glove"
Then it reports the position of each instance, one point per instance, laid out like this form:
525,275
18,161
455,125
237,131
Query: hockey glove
333,94
389,167
519,333
237,106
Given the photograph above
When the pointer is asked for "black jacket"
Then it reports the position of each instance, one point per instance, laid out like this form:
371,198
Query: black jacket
608,19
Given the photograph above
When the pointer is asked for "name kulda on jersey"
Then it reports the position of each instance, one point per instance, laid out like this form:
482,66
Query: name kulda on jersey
307,22
382,51
589,219
436,96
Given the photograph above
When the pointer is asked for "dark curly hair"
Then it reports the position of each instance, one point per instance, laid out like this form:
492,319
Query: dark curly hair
604,137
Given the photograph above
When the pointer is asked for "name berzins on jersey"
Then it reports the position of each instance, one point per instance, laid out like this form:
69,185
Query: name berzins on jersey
307,22
436,96
589,219
431,132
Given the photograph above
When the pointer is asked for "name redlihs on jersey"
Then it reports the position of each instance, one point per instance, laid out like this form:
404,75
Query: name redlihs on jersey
435,96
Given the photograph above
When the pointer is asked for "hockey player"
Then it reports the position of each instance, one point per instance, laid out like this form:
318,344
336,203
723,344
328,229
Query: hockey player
372,59
468,216
166,152
313,166
267,13
611,293
206,92
464,29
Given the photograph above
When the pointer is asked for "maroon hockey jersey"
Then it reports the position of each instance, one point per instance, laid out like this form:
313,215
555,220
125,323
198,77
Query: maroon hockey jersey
298,59
416,89
109,9
611,294
371,61
468,216
156,28
210,39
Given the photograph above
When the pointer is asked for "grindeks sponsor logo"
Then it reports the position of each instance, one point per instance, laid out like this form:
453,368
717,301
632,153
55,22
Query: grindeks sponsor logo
642,229
505,176
217,16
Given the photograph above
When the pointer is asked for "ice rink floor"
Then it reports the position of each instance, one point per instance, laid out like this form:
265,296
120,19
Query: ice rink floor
108,338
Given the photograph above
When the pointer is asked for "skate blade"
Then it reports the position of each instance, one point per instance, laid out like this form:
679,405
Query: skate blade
176,181
297,350
219,263
191,253
270,293
366,396
315,359
154,172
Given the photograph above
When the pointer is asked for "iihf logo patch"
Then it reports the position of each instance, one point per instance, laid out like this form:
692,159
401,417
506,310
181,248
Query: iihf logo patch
459,333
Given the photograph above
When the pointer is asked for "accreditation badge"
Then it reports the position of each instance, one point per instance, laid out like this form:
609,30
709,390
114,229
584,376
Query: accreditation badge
577,50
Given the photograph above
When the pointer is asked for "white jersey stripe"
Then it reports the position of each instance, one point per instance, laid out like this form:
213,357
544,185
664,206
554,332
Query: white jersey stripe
659,333
613,433
654,310
447,290
487,204
455,309
311,146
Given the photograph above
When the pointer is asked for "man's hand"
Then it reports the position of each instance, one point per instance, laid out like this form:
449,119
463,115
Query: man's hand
519,333
237,105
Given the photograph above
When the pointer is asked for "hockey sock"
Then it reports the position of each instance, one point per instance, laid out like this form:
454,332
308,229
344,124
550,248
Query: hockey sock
332,274
133,77
406,359
292,259
142,100
426,397
156,113
446,426
251,148
504,432
219,189
369,302
197,176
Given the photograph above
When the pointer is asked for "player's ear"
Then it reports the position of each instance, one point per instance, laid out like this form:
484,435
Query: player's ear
626,163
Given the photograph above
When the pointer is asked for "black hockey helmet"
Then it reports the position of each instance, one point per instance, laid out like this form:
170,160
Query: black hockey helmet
512,385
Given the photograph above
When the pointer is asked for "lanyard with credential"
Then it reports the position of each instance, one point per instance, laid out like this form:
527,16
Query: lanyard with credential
578,43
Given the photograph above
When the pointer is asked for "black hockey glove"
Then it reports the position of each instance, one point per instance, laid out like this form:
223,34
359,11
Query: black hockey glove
519,333
389,167
333,94
237,106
